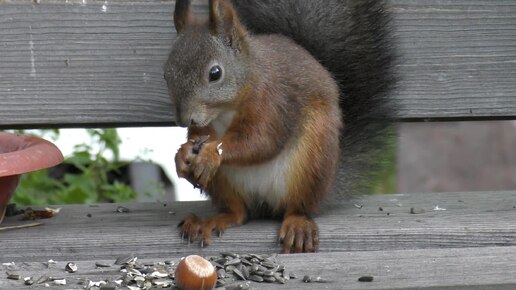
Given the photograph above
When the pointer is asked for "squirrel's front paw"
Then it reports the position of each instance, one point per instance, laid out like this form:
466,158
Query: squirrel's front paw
206,164
299,234
184,157
194,228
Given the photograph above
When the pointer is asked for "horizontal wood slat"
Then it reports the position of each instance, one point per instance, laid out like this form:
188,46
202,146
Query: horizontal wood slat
99,63
454,239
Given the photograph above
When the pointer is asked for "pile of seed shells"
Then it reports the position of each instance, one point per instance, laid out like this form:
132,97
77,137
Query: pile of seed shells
233,268
234,271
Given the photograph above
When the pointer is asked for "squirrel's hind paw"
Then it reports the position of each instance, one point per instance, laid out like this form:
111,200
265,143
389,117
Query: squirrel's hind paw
299,234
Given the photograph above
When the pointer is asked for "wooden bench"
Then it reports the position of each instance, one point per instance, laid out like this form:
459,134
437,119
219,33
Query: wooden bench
86,63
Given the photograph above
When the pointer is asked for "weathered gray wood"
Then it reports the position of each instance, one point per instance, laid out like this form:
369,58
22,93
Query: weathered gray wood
471,268
85,63
471,242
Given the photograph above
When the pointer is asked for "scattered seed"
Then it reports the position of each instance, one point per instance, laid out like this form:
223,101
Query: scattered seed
230,267
239,274
71,267
124,260
238,287
60,281
122,209
42,279
244,271
109,286
366,279
49,263
28,281
102,265
279,277
221,274
308,279
415,210
286,275
268,264
13,276
234,261
256,278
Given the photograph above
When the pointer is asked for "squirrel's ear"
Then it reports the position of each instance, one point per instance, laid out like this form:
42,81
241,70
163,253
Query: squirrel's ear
182,14
225,23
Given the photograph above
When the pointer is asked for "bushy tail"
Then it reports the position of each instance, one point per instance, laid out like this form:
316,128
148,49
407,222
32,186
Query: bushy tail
352,39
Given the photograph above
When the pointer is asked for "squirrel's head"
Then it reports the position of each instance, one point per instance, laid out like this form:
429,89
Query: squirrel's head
206,68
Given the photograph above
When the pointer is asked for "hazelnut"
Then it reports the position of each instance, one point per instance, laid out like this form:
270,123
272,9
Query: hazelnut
195,273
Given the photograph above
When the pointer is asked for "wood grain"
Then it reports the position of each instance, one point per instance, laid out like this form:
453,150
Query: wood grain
96,63
471,241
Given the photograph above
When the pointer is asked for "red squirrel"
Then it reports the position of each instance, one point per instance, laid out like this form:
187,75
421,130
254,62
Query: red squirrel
276,96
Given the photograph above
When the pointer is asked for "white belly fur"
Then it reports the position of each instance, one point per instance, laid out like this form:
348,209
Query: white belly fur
258,183
261,183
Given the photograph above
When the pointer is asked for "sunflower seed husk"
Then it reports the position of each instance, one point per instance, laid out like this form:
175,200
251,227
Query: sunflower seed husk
279,278
234,261
28,281
366,279
71,267
221,274
308,279
239,274
122,209
230,269
286,274
229,254
256,278
254,268
220,284
244,270
60,281
244,286
268,264
126,259
13,276
260,258
162,283
109,286
42,279
102,265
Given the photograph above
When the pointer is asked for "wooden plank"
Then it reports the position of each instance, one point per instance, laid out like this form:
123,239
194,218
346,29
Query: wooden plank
458,58
469,240
94,63
472,268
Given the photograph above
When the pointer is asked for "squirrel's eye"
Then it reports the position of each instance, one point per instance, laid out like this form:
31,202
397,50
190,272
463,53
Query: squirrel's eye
215,73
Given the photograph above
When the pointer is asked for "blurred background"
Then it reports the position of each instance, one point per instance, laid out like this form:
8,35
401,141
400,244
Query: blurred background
137,164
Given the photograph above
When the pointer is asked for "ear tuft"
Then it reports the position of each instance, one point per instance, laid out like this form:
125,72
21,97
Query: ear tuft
182,14
225,23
